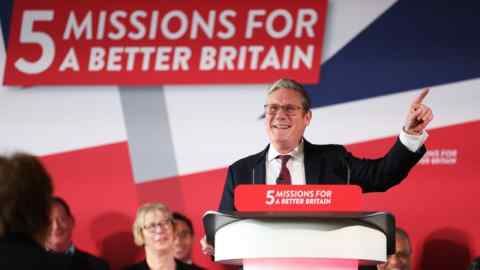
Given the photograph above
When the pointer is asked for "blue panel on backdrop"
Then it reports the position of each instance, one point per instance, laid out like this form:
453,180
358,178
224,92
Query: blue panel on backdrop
412,45
5,14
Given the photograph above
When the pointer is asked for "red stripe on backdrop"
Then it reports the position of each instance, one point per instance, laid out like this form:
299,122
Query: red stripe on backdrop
98,185
435,204
438,202
191,195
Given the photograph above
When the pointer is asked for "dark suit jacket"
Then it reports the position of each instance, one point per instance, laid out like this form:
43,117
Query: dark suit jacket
367,267
179,266
82,260
20,252
328,164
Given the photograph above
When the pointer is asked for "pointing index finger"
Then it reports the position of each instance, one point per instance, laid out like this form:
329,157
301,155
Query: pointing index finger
419,98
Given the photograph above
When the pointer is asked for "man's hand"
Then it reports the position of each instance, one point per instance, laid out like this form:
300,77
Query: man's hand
206,248
419,115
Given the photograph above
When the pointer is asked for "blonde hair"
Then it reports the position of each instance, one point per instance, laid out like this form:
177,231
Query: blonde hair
140,219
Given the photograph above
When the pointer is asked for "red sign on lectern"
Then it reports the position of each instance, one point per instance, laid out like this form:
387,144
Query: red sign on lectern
308,198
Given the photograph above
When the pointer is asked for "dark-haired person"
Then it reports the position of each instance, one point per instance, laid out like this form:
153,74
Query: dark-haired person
25,196
154,229
59,240
184,239
291,159
401,259
475,264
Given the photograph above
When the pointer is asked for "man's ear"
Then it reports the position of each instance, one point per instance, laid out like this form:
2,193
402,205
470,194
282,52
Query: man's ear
308,117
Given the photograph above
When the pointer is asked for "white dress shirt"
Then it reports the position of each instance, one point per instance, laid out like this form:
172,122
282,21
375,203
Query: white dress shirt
295,165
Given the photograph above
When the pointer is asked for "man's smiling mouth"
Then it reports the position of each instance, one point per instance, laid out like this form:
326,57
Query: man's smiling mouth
281,126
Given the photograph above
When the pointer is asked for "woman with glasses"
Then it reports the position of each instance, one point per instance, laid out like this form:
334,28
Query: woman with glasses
154,229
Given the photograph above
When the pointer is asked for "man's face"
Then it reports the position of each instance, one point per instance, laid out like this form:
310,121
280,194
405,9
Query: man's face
183,242
401,259
61,227
284,129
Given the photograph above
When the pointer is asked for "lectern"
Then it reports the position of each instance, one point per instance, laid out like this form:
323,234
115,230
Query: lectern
300,240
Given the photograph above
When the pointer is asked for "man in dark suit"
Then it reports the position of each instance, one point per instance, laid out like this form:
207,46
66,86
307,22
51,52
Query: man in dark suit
59,240
287,114
290,156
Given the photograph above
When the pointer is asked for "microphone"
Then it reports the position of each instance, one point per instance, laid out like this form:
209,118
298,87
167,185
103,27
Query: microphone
253,176
344,160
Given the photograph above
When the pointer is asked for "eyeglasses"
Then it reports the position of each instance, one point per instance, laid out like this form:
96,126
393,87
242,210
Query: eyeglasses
152,227
289,109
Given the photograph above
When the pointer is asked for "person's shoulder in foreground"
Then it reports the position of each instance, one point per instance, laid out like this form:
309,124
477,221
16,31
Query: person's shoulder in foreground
21,252
83,258
25,193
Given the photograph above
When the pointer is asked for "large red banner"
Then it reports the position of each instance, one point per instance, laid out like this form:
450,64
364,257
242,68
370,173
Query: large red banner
159,42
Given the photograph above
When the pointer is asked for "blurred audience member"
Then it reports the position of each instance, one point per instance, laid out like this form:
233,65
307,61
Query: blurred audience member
401,260
475,264
25,197
154,229
59,239
184,240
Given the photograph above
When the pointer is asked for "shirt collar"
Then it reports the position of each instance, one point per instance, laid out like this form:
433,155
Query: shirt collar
69,251
296,153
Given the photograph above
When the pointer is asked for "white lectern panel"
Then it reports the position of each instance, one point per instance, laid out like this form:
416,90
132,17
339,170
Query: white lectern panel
270,239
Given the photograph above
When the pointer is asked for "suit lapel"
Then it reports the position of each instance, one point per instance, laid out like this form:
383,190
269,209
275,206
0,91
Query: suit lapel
259,173
312,164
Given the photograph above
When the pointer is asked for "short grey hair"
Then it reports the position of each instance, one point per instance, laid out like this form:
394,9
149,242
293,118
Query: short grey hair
295,86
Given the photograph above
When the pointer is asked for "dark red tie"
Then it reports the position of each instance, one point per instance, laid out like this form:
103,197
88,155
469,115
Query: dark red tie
284,176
